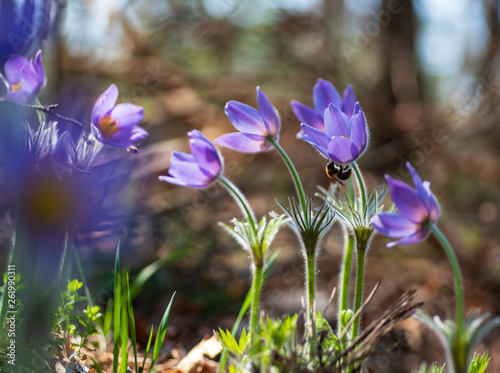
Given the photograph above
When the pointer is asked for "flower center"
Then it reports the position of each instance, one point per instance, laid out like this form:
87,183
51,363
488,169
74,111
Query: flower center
15,87
108,127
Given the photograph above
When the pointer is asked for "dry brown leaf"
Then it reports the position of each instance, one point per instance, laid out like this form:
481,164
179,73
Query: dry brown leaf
196,361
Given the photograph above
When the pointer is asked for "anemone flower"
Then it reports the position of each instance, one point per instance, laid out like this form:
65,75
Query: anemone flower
324,94
417,208
256,128
344,138
196,170
24,78
116,125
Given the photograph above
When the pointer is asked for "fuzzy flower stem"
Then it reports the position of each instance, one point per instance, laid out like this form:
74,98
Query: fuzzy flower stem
345,279
65,260
455,267
240,200
12,262
361,186
254,307
311,300
295,175
358,297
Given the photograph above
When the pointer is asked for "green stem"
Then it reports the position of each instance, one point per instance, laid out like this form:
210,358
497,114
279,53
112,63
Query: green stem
345,281
254,306
361,186
295,175
12,262
241,201
455,267
311,299
358,297
65,260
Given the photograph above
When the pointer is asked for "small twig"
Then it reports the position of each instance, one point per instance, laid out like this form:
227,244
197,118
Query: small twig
45,109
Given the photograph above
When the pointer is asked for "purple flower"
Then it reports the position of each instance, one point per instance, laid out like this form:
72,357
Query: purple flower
256,128
324,94
24,78
196,170
344,138
417,207
116,125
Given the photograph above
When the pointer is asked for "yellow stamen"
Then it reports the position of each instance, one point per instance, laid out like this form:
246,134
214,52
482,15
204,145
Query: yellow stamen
15,87
108,127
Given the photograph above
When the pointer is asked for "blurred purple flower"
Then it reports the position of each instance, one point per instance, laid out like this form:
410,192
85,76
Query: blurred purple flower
116,125
256,128
344,138
196,170
324,94
23,26
24,78
417,207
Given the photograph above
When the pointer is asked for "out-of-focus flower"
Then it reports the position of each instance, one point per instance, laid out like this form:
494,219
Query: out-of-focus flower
116,125
196,170
24,78
23,26
324,94
417,207
256,128
344,139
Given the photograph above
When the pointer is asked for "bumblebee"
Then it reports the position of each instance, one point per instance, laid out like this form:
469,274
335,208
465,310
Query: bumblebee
338,172
132,149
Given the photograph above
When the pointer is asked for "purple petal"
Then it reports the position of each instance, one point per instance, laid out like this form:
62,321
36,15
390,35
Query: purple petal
324,94
416,237
138,134
268,113
127,115
407,200
245,118
185,171
336,122
13,68
348,101
342,150
39,70
205,153
105,103
424,191
394,225
308,116
316,138
18,96
242,143
358,131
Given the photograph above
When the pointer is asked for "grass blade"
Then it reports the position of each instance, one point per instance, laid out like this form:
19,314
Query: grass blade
117,311
146,353
160,335
131,321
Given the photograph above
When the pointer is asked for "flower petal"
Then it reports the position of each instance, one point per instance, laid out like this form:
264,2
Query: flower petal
424,191
206,154
342,150
348,101
358,130
416,237
324,94
127,115
268,113
336,122
394,225
407,200
105,103
242,143
13,68
308,115
245,118
316,138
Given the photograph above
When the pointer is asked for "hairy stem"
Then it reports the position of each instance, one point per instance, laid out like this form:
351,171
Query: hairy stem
254,306
311,300
295,176
361,186
241,201
345,280
358,297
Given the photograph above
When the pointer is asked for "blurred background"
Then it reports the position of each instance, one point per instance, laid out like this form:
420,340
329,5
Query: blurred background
427,75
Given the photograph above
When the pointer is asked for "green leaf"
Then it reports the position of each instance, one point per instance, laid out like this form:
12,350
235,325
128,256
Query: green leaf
228,341
160,335
479,363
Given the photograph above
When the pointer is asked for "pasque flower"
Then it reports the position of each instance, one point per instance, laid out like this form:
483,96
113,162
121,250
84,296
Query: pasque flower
417,207
256,128
196,170
344,138
324,94
24,78
117,125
